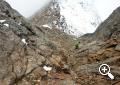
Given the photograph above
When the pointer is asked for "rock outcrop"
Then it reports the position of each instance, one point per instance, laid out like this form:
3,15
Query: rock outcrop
73,61
58,14
18,61
110,27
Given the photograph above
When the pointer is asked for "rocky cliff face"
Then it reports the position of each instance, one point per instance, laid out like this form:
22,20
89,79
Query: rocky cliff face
26,48
50,16
58,14
109,28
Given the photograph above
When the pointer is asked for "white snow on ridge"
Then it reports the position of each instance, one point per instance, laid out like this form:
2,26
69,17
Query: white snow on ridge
7,25
47,68
1,21
80,15
46,26
24,41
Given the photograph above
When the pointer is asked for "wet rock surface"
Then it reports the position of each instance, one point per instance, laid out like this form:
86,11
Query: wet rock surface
73,61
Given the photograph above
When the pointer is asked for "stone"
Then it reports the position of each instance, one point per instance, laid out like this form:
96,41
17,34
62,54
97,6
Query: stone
117,48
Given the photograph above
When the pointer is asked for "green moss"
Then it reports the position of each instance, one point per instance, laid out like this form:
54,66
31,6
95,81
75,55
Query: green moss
77,46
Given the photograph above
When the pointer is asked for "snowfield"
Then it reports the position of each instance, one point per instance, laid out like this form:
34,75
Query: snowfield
80,15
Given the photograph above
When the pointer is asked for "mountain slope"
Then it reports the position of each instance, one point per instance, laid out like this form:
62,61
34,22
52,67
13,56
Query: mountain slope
18,60
73,62
84,16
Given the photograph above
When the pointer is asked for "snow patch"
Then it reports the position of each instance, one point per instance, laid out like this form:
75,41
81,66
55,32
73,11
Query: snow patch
1,21
19,23
24,41
80,15
7,25
47,26
47,68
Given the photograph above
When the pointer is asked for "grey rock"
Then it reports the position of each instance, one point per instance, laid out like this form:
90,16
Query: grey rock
21,64
117,48
109,26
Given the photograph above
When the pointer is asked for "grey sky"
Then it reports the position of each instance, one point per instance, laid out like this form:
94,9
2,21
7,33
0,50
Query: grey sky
29,7
106,7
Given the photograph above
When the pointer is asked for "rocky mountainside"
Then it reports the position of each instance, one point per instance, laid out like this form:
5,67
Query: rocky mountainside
26,48
35,54
59,12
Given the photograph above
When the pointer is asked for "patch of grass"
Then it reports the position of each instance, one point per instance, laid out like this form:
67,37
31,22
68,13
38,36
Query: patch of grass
77,46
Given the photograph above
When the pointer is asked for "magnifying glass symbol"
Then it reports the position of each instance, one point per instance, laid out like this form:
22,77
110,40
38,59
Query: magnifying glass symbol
104,69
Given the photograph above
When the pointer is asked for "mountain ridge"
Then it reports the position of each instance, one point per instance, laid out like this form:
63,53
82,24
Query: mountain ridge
81,22
74,61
